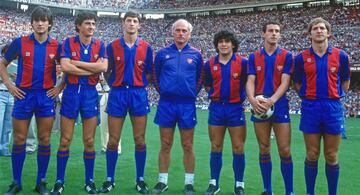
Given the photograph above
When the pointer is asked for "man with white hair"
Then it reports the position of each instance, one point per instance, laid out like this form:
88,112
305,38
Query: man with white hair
178,76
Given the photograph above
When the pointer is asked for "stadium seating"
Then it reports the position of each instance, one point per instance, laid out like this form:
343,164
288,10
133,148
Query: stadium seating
247,26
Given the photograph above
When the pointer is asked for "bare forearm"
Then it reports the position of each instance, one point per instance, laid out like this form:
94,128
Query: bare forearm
72,69
95,67
345,85
250,88
285,82
3,73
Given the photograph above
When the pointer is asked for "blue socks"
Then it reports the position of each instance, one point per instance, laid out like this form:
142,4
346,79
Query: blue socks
287,173
239,167
311,170
18,158
266,168
62,158
43,157
89,160
111,159
140,160
215,166
332,176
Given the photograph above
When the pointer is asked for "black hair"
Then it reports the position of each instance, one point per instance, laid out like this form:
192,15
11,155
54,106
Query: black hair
131,14
227,35
42,13
264,27
81,17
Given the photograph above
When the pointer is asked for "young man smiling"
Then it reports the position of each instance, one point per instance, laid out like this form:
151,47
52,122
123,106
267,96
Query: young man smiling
225,78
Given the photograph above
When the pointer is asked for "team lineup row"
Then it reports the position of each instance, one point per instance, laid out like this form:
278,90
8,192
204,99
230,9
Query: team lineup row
321,75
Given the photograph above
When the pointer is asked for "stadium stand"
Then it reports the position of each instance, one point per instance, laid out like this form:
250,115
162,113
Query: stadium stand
345,20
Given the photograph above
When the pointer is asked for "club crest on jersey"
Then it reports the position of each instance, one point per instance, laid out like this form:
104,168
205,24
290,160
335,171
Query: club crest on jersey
27,54
73,53
51,56
167,56
215,68
279,67
333,69
118,58
308,60
189,60
236,75
258,68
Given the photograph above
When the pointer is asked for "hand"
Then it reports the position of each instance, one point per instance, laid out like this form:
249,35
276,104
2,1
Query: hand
14,91
54,92
258,106
268,103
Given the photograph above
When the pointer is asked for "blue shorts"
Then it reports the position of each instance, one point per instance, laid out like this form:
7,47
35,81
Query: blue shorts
35,101
322,116
79,98
169,113
281,113
124,99
226,114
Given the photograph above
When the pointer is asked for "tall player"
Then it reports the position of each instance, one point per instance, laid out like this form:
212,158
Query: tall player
130,61
269,75
82,59
178,74
322,76
34,92
225,78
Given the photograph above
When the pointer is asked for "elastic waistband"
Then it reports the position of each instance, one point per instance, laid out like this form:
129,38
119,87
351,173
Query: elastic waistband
320,100
75,86
177,99
126,87
33,90
225,102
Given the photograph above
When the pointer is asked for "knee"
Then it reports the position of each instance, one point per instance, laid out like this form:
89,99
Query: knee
264,148
238,148
139,141
65,142
216,147
331,157
284,151
113,141
313,154
166,146
187,147
44,140
19,138
89,142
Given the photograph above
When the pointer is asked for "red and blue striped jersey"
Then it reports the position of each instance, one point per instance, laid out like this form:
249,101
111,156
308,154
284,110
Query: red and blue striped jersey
36,61
226,81
74,50
321,77
268,69
129,66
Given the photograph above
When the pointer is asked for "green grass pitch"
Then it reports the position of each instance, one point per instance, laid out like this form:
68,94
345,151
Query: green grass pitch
349,182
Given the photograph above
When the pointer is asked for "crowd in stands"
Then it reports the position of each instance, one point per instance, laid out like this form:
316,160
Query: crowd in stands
99,4
148,4
247,26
